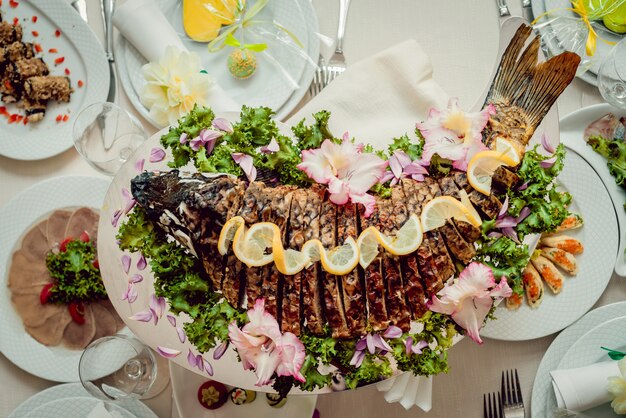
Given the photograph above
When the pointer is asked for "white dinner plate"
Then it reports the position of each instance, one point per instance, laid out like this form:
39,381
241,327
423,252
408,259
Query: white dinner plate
559,8
599,235
185,386
542,394
84,58
572,128
53,363
73,392
74,407
267,87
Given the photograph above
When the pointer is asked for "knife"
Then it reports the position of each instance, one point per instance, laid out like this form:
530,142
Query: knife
81,7
107,13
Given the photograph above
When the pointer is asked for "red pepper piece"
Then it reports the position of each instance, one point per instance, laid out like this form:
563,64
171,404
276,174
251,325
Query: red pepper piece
59,118
26,120
38,48
13,118
80,83
59,60
45,293
84,236
67,71
34,19
13,3
63,245
53,50
16,21
57,33
96,264
77,312
65,118
35,33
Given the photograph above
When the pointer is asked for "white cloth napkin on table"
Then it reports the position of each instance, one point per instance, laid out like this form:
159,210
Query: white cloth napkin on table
143,24
584,387
375,100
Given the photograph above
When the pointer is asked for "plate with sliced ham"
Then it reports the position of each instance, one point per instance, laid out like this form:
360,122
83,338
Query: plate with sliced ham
45,338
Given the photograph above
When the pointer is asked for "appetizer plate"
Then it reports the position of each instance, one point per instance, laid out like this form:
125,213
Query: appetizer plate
58,364
74,407
600,237
267,87
84,58
543,401
558,7
185,386
73,392
572,128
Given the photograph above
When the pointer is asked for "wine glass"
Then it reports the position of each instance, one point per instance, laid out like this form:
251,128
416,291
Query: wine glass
118,368
612,76
106,136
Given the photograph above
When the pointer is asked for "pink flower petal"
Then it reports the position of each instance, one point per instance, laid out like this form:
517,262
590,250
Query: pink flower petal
181,334
126,263
523,214
505,207
129,205
369,339
132,293
172,320
191,359
220,350
139,165
141,262
245,161
494,234
126,194
380,343
510,232
223,125
154,316
158,304
115,218
548,163
546,144
167,352
143,316
199,362
157,155
367,200
345,136
271,147
408,346
417,349
395,165
357,359
207,367
393,332
523,187
196,143
183,138
135,278
506,222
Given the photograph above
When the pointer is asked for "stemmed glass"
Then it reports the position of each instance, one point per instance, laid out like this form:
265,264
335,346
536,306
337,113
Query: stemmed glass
106,136
612,76
119,368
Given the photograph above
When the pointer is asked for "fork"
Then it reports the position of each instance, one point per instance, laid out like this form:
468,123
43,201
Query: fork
503,8
492,405
512,395
337,63
319,78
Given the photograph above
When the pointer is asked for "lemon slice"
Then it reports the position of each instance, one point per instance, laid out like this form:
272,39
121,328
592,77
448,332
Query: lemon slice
468,204
227,234
436,212
482,166
368,246
341,259
289,261
407,239
251,246
314,249
509,149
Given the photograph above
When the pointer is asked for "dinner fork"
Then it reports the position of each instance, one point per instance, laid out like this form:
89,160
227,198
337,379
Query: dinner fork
512,395
337,63
503,8
492,405
319,78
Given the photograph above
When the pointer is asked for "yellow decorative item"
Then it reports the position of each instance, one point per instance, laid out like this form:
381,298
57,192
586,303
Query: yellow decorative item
483,165
439,210
203,19
616,20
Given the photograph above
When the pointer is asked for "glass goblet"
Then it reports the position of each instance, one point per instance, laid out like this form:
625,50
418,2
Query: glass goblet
106,136
612,76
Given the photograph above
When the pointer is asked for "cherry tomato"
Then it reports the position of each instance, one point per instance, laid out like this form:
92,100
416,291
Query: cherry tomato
45,293
77,312
63,245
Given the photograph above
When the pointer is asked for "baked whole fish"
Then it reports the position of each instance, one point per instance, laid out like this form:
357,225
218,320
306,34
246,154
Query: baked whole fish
392,290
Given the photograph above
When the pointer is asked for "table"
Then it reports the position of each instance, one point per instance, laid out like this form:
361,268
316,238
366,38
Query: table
461,38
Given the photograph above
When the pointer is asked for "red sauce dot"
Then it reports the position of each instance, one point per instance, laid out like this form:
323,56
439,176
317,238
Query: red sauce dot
16,21
34,19
38,48
65,118
26,120
13,3
80,83
57,33
53,50
59,118
67,71
35,33
59,60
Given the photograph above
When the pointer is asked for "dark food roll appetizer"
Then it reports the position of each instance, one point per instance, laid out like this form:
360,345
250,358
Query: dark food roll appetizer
44,88
9,33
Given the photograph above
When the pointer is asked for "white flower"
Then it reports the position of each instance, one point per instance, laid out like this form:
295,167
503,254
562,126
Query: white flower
173,85
617,387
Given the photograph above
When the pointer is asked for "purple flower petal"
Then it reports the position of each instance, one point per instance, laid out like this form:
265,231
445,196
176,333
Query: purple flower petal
361,344
380,343
523,187
129,205
141,263
403,158
271,147
386,177
510,232
546,144
548,163
136,278
357,358
167,352
154,316
199,362
245,161
196,143
223,125
132,293
220,350
183,138
415,168
207,367
393,332
395,166
346,136
181,334
126,292
505,207
494,234
126,194
157,154
115,218
417,349
143,316
506,222
139,165
172,319
158,304
370,344
523,214
408,345
126,263
191,359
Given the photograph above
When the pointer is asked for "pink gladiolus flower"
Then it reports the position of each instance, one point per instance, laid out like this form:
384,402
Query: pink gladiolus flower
454,134
402,167
271,147
262,347
126,263
470,297
157,155
206,138
223,125
115,218
167,352
348,172
246,163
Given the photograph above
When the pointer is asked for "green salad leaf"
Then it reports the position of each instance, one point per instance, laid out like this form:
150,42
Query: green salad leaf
614,150
506,258
76,278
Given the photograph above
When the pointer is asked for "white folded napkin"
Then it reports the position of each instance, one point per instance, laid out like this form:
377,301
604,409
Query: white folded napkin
100,411
377,99
143,24
584,387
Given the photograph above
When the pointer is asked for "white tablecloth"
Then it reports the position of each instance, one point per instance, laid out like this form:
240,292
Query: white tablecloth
460,36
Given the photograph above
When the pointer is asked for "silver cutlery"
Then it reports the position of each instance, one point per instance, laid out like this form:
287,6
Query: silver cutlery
503,8
81,7
492,405
319,78
107,14
512,395
337,63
